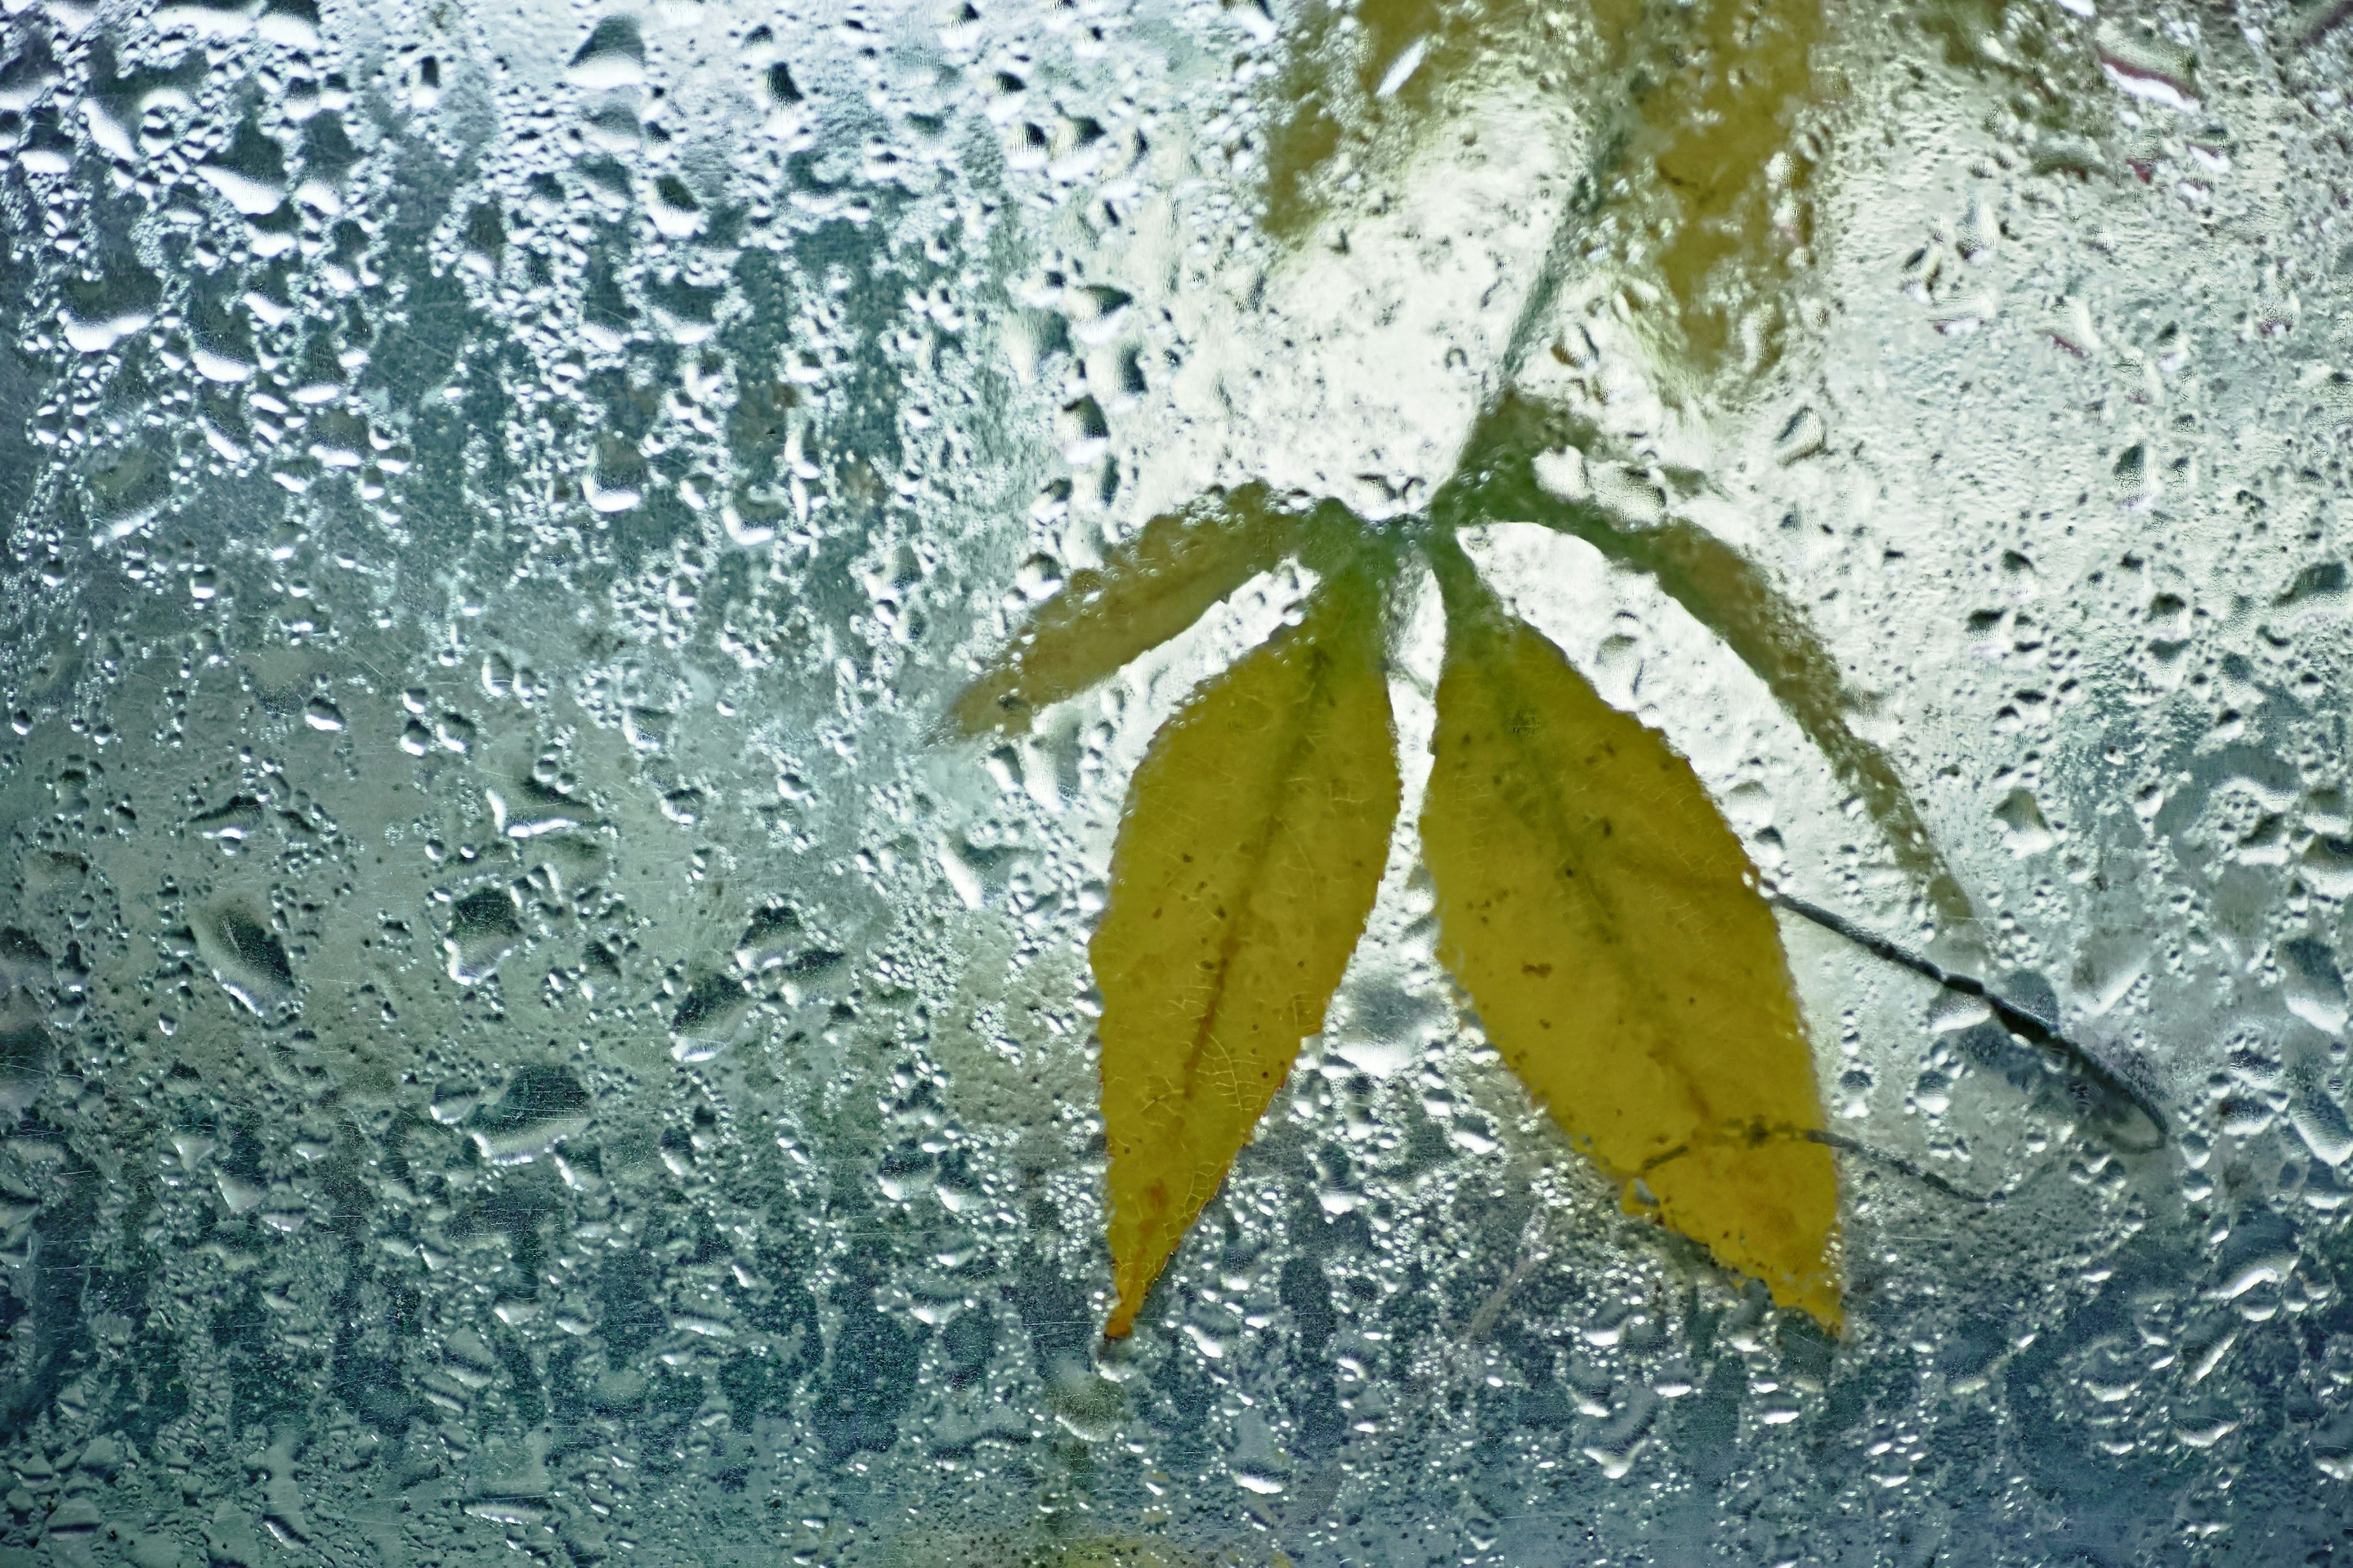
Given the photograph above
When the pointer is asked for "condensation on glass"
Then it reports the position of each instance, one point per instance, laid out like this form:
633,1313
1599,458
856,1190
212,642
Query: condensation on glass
525,1026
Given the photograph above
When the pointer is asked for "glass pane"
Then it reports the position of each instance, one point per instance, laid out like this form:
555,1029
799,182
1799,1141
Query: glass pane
1048,783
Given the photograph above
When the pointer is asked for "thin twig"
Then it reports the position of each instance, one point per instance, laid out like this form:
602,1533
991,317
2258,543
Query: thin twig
1758,1133
1901,1166
1536,1251
2014,1018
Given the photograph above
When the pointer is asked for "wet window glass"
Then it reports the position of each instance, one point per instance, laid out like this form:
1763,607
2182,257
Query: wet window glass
1068,782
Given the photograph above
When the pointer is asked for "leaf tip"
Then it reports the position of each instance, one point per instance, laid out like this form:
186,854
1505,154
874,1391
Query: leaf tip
1820,1298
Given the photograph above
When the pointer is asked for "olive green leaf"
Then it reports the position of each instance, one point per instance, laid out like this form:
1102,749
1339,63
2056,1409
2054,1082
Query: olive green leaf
1702,180
1152,586
1606,922
1252,844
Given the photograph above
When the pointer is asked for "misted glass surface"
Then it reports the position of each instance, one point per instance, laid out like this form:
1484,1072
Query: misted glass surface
1054,782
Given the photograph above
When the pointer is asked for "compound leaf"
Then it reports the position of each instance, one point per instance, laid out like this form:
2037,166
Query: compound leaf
1152,586
1605,921
1255,833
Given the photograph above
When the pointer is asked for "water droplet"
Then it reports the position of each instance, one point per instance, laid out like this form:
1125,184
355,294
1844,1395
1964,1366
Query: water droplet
613,57
484,927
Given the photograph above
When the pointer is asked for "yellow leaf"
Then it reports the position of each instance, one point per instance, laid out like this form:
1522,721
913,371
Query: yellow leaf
1605,921
1730,596
1152,586
1246,866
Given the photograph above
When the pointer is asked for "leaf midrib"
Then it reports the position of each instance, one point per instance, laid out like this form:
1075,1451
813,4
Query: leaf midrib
1284,775
1509,705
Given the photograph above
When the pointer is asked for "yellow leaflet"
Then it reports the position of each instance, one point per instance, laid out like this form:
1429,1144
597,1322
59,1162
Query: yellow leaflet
1603,919
1246,866
1722,129
1154,585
